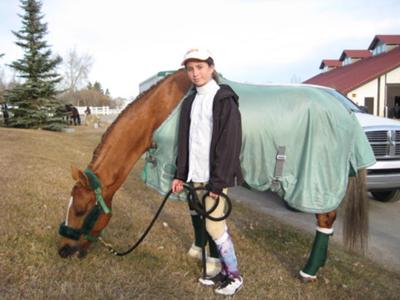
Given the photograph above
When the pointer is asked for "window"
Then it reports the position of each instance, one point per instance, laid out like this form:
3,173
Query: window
380,48
347,61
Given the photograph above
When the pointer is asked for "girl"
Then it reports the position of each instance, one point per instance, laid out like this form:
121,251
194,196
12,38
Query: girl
209,143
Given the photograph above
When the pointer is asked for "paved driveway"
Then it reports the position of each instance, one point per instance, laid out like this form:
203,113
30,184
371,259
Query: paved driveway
384,220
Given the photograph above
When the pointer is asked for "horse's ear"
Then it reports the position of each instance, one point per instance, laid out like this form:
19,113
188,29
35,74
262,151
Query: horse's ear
78,175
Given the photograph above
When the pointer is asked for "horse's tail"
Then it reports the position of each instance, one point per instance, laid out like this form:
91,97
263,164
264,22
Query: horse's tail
355,222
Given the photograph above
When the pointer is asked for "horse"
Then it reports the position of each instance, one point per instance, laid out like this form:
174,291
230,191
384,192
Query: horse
123,143
72,114
131,135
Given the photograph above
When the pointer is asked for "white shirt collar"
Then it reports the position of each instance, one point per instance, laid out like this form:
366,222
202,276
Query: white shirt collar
209,87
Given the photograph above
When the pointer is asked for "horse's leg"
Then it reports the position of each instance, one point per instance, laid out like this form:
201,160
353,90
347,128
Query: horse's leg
319,251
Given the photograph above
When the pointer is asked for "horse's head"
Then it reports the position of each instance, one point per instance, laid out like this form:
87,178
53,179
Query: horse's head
87,214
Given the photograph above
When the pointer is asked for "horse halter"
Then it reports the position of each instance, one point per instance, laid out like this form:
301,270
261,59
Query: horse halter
92,216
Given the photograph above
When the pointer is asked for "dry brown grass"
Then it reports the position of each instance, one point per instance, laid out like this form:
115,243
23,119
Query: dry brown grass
35,187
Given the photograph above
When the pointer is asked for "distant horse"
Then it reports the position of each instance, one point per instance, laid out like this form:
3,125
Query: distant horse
72,115
131,135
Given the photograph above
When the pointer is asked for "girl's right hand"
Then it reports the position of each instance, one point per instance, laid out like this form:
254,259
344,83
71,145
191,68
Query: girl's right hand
177,185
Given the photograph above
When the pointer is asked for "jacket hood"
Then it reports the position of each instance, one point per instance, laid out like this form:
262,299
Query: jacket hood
226,91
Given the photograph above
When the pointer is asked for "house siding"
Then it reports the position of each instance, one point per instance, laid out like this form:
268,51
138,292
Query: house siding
393,76
369,89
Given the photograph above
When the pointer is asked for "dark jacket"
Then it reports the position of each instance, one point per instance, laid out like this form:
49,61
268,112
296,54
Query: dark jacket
226,140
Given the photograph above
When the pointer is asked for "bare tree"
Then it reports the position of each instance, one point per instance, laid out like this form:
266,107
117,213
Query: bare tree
2,81
92,98
119,102
8,79
76,70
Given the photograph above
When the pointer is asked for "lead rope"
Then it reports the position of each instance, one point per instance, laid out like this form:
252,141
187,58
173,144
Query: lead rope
195,203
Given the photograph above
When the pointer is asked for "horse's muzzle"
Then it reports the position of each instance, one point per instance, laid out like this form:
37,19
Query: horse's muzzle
68,250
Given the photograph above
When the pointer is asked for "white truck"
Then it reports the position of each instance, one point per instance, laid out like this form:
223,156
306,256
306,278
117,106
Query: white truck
383,179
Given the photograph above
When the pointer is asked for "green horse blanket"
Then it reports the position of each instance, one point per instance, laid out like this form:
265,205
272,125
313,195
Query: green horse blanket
299,141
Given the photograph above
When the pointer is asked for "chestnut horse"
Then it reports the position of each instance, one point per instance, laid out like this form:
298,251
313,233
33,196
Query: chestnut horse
123,144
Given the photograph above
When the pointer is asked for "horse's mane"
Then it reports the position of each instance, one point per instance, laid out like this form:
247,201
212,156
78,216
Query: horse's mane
136,102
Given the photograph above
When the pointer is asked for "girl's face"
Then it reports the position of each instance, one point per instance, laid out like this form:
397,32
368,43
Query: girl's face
199,72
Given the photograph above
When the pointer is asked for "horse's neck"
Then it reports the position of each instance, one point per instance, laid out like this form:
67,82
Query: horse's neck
131,133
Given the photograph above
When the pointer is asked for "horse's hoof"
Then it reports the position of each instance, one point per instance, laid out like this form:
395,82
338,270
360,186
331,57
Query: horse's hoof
307,278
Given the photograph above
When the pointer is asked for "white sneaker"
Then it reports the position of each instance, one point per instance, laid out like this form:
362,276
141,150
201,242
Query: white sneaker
213,280
194,251
230,286
306,277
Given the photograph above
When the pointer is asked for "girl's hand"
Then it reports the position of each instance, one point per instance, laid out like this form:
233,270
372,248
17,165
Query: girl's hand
213,195
177,185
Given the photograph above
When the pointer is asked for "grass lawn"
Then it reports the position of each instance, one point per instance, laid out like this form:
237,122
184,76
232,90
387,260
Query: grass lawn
34,191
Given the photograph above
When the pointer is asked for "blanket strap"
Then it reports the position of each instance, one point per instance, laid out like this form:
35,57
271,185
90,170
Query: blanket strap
280,160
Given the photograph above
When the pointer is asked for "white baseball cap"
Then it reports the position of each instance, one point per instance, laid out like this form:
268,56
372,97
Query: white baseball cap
196,53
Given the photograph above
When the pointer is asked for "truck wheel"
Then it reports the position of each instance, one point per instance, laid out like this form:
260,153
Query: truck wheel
387,196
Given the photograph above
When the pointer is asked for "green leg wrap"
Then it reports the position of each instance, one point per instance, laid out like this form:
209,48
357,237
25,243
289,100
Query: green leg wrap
318,254
198,240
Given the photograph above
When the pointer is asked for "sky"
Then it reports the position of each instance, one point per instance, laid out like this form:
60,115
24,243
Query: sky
253,41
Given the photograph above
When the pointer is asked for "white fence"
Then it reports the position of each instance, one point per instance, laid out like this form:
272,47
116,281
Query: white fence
99,110
94,110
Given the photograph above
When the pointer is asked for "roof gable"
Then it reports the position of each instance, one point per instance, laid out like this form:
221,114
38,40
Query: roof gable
330,63
386,39
355,54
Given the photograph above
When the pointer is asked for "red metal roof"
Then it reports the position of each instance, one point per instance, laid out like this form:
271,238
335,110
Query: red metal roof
355,54
349,77
387,39
330,63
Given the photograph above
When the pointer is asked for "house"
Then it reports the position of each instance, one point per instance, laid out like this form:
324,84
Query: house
370,77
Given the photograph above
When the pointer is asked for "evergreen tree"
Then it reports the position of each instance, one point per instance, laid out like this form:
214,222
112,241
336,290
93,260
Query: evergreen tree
34,103
97,87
